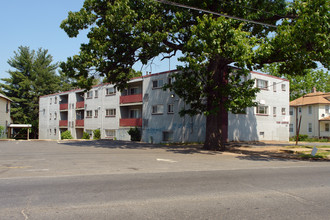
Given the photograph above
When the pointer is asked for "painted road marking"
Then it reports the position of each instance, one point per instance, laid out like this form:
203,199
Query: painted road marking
167,160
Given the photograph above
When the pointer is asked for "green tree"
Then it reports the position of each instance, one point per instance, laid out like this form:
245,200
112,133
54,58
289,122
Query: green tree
33,75
123,32
302,84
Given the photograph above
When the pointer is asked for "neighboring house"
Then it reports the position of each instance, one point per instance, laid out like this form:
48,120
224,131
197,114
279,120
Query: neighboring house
144,104
314,110
5,118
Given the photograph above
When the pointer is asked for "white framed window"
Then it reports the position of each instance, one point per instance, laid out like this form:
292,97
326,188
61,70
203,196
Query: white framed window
274,111
170,80
299,109
310,109
283,87
157,109
55,115
262,110
89,114
55,101
310,128
170,108
51,101
327,127
110,133
291,111
157,84
96,113
327,109
54,131
167,135
133,91
283,110
111,112
291,128
134,113
89,94
96,93
274,86
262,84
110,91
50,116
50,131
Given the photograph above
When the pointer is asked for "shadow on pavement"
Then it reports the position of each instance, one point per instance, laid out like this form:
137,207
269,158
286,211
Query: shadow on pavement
111,144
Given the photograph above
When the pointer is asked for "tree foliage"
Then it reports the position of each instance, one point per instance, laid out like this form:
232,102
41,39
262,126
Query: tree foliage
302,84
33,75
123,32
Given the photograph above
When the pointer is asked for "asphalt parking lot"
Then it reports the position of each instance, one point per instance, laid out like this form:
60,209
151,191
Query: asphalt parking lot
65,158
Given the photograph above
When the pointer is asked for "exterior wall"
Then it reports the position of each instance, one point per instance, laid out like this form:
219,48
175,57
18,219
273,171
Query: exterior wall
5,119
318,127
137,105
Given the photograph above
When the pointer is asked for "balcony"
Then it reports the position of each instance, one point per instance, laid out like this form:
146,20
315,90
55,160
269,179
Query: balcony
80,104
130,99
80,123
63,123
63,106
130,122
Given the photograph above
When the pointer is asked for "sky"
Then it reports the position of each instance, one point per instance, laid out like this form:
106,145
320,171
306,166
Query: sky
36,24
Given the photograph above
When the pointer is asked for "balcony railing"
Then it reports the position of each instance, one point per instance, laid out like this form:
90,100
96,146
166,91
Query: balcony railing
80,104
130,122
80,123
64,106
130,99
63,123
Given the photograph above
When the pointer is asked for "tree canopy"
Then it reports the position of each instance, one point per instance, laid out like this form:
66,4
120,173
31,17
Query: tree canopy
295,35
33,75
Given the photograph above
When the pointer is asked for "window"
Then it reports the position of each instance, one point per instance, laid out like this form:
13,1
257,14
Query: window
274,111
327,109
170,80
134,113
274,86
110,112
283,87
50,131
50,116
167,135
55,102
54,131
96,113
310,129
170,108
291,128
96,94
110,91
157,109
291,111
89,94
89,114
263,110
310,110
55,115
7,107
157,84
283,111
109,133
327,127
299,109
50,101
262,84
133,91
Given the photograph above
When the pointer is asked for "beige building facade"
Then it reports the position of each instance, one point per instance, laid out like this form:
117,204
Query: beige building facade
5,118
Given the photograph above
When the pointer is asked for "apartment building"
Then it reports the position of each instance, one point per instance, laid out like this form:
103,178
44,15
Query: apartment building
5,118
144,104
313,113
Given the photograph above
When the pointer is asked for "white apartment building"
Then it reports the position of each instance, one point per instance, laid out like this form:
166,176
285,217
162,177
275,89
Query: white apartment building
5,118
314,111
144,104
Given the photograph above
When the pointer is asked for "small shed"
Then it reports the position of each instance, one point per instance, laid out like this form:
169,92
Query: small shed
19,126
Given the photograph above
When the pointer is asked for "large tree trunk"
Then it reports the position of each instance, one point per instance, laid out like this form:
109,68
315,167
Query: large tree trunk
217,124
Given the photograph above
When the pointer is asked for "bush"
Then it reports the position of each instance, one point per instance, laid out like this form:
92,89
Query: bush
302,137
135,134
86,136
97,134
66,135
2,129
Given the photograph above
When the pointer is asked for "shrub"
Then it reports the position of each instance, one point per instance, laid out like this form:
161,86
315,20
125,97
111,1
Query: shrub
135,134
302,137
97,134
66,135
2,129
86,136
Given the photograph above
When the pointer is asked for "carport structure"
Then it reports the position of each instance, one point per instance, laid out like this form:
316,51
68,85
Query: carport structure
11,128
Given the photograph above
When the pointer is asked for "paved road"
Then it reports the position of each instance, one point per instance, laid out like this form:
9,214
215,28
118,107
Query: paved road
118,180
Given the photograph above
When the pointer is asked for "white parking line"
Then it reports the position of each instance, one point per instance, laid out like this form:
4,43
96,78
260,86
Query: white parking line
167,160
